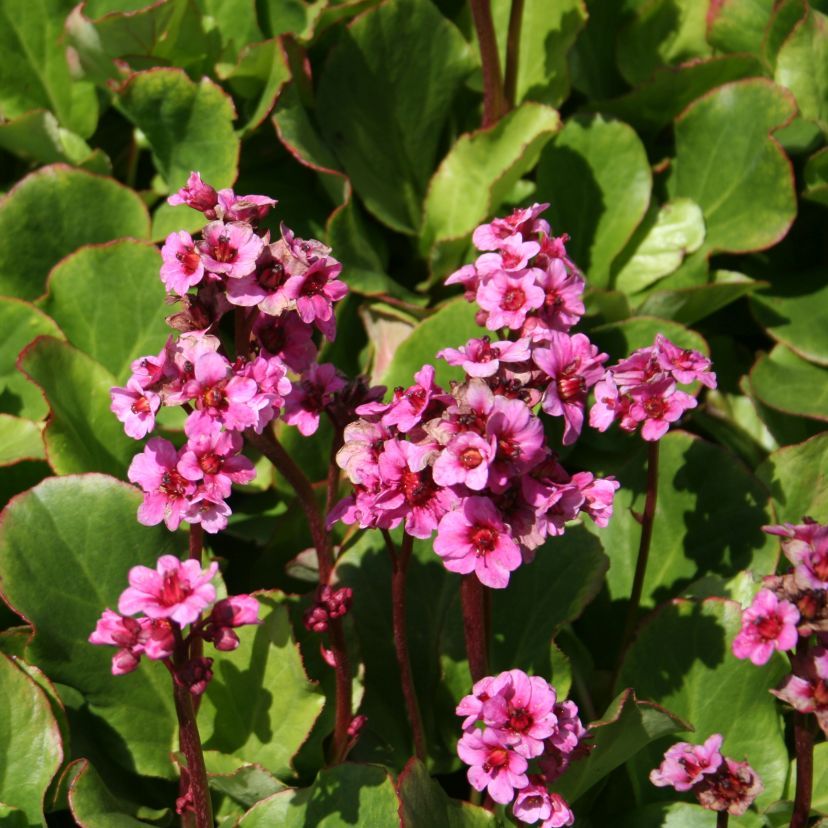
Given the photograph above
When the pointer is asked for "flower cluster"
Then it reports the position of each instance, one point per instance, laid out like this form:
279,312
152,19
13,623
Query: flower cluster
522,722
719,783
283,292
171,597
788,612
641,389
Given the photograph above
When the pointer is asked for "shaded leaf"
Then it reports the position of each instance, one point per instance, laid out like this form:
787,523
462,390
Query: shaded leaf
738,25
816,177
681,815
788,383
54,211
19,440
619,339
245,782
93,805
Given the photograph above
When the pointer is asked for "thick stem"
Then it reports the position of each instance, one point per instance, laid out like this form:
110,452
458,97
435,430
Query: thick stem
494,102
342,675
399,568
513,53
190,744
647,520
196,541
804,745
473,600
721,819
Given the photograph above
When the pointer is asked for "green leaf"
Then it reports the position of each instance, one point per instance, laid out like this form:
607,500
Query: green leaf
690,304
289,17
343,795
19,440
188,125
31,750
567,573
662,33
819,802
682,815
44,532
700,680
93,805
660,245
619,339
21,323
425,803
260,705
451,326
728,164
547,34
626,728
257,78
738,25
788,383
794,311
796,476
244,782
481,168
816,177
82,433
35,73
802,66
54,211
110,302
235,21
603,169
389,151
655,103
700,526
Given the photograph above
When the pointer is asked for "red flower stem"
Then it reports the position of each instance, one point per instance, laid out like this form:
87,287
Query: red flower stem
513,53
243,325
494,102
399,568
270,447
196,541
647,520
804,745
473,600
721,819
190,744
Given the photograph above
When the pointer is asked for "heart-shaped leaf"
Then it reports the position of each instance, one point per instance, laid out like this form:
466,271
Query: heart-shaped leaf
93,805
788,383
738,25
110,303
85,526
602,168
54,211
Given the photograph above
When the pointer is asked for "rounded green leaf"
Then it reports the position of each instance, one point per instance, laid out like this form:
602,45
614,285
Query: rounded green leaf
699,679
389,150
19,440
816,177
788,383
729,165
481,168
93,805
738,25
347,794
66,547
30,744
596,176
21,323
54,211
188,125
260,705
110,303
82,433
794,311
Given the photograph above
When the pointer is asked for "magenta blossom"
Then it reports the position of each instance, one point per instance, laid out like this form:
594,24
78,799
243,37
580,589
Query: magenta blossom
494,235
806,689
220,394
474,538
482,357
196,194
534,803
250,208
211,457
513,255
684,764
471,706
806,547
563,303
135,407
127,634
166,490
229,249
768,624
656,405
733,788
465,460
508,299
315,291
310,396
519,438
227,614
686,365
182,268
494,768
211,513
178,590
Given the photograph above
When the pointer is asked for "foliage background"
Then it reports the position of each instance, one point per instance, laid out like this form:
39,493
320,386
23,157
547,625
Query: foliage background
681,144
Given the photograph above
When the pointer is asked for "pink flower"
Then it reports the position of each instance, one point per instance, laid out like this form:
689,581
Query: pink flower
768,624
182,268
474,538
471,706
227,614
310,396
263,287
362,445
519,438
220,394
522,221
315,291
288,338
196,194
195,675
482,358
733,788
806,547
685,764
563,305
272,386
494,767
513,255
520,711
178,590
135,408
806,689
508,298
465,460
211,457
211,513
686,365
598,494
125,633
609,405
573,364
410,405
656,405
251,208
229,249
535,803
166,490
469,278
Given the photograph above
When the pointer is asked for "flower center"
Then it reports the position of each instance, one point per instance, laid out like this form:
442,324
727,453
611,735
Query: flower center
223,251
416,489
210,463
570,387
513,299
272,277
140,406
172,484
508,448
213,397
768,627
190,260
173,591
482,540
470,458
520,720
819,565
654,407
